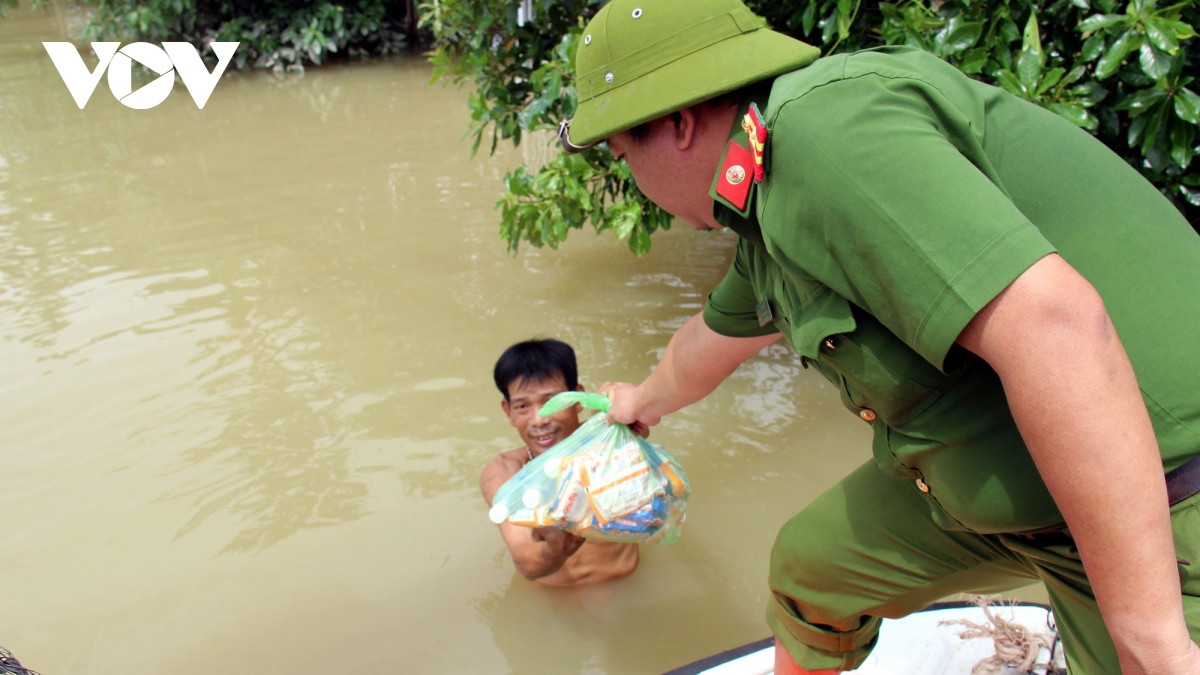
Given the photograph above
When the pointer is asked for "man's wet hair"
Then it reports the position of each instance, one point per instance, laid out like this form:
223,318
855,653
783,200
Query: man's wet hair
536,360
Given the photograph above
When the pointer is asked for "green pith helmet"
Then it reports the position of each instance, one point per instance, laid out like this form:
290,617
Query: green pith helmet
642,59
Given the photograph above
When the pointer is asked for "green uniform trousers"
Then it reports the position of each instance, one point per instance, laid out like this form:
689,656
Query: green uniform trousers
867,549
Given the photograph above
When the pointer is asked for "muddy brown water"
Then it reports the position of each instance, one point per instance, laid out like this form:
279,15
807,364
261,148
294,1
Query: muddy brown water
245,394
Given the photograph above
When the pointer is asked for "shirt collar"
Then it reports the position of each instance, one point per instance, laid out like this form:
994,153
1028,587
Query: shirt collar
732,166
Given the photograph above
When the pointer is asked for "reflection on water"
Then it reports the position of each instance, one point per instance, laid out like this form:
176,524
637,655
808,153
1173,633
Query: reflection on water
450,465
245,383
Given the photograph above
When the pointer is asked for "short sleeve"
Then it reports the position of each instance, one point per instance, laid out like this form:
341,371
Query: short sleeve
880,188
730,309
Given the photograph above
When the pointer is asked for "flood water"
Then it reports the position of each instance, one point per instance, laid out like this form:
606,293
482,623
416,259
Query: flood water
245,391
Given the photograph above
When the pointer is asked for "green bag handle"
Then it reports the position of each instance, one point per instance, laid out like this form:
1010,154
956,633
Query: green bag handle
569,398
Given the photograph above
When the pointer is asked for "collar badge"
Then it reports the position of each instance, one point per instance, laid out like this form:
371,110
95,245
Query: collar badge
756,134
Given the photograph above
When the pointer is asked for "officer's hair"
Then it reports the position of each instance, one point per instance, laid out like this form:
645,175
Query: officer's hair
537,360
721,103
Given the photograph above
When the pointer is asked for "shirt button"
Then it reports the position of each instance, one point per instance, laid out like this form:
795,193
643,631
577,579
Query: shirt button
867,414
922,486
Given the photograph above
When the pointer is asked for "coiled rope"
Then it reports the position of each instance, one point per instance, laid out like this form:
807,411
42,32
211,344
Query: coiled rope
1017,646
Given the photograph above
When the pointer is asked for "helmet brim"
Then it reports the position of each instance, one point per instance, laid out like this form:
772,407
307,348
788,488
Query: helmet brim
733,63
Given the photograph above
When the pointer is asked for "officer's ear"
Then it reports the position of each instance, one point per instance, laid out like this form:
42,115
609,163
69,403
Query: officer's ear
684,125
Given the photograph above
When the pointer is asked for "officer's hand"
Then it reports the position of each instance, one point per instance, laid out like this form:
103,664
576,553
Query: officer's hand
641,429
624,408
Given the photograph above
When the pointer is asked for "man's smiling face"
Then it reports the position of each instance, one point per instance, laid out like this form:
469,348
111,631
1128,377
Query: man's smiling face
525,398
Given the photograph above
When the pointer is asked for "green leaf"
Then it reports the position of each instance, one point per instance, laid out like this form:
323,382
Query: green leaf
1029,69
1136,128
1075,114
639,243
515,185
1008,29
809,19
1161,34
1089,93
1097,21
1010,83
973,61
1154,62
559,228
1076,73
1183,31
843,25
1110,122
1135,78
529,115
964,37
1182,135
1092,48
1141,101
1157,156
1032,41
1192,196
1187,106
624,222
828,27
1115,56
1150,133
1052,77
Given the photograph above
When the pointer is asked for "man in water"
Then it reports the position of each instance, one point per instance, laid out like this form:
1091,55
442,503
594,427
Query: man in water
1010,307
528,374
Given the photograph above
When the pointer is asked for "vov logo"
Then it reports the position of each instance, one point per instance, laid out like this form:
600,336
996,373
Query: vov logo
173,57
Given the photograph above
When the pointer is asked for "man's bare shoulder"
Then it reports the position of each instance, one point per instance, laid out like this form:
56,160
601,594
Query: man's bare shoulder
503,466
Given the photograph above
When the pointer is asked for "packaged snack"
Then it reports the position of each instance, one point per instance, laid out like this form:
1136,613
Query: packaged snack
602,482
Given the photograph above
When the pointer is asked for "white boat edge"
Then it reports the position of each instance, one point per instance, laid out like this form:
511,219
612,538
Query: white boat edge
923,643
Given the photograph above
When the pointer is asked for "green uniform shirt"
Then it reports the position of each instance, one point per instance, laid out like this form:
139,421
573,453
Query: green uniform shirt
900,197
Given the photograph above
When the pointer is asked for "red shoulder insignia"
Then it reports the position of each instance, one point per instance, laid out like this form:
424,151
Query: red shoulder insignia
731,183
756,134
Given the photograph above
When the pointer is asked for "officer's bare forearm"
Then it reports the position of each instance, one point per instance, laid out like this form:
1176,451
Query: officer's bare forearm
1074,397
696,361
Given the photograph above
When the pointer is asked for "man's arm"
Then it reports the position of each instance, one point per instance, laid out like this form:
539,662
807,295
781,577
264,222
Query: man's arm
696,361
1076,401
536,552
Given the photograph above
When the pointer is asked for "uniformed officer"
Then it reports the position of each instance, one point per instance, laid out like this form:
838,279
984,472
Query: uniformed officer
1011,308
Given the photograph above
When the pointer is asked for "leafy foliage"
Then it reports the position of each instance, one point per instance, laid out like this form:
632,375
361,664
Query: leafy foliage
6,5
277,34
521,70
1122,71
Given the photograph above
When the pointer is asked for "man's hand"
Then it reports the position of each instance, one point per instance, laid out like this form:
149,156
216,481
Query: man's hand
558,544
539,552
536,552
